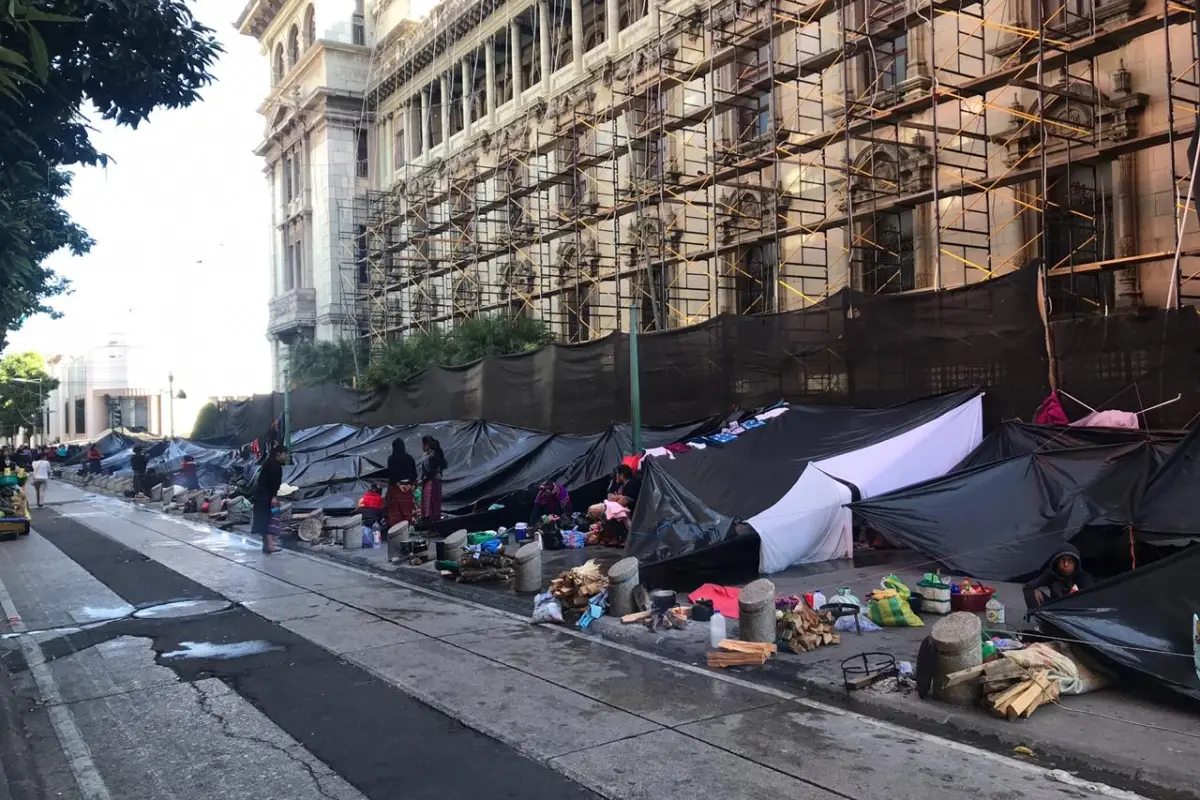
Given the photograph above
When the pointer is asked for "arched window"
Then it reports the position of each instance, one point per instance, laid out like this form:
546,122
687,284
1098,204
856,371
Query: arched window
310,26
277,69
293,46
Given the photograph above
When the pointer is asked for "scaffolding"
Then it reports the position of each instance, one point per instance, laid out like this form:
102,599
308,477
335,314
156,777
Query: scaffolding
757,157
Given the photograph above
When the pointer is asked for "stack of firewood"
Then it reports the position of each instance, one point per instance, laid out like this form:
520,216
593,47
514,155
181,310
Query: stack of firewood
1009,690
802,630
477,568
734,653
576,586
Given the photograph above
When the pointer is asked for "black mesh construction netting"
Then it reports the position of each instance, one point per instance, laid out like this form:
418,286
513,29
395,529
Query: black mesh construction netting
853,349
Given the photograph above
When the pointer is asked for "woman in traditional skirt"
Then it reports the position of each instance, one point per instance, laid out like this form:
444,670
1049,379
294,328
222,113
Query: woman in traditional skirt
433,464
402,479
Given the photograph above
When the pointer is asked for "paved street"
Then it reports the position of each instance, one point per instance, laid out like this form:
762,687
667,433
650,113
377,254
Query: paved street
151,658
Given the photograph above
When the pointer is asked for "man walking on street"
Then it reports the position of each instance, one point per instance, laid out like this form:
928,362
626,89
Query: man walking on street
270,478
138,464
41,475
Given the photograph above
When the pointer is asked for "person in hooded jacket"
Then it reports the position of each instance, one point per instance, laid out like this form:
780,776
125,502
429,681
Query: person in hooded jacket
1063,575
400,502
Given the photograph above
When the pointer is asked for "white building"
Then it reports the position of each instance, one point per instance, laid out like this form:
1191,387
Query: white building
315,150
91,385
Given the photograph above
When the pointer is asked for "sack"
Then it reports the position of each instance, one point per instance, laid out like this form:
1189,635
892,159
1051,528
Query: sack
933,591
848,624
546,608
897,586
889,609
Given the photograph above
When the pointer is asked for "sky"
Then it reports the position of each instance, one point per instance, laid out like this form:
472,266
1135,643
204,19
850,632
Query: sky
181,219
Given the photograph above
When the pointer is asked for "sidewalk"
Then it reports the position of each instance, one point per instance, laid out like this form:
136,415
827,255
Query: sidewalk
1115,735
1131,745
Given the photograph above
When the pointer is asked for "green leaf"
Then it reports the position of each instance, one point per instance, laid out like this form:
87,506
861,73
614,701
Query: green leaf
37,15
41,59
13,57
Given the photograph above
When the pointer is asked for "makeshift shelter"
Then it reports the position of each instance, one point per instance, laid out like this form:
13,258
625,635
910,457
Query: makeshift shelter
788,481
1001,521
1010,439
333,464
1141,621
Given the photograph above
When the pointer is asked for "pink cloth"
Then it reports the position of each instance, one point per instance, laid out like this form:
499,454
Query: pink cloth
1050,412
1109,419
724,598
615,510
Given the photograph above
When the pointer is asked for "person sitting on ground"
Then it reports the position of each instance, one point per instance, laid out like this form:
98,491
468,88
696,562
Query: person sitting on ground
552,500
625,487
1063,575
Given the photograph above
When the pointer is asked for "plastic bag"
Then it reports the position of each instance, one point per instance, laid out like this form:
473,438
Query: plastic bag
849,624
546,608
889,609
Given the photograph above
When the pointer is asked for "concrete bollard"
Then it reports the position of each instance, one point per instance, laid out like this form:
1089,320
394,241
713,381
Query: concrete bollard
956,639
756,612
352,532
529,569
623,578
455,543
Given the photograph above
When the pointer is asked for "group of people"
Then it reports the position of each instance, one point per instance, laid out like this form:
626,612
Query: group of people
405,474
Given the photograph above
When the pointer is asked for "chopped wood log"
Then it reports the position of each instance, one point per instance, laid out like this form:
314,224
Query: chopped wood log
636,616
964,676
802,629
721,660
738,646
1024,696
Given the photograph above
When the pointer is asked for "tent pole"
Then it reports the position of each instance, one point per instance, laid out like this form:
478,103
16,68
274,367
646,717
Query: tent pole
287,406
635,388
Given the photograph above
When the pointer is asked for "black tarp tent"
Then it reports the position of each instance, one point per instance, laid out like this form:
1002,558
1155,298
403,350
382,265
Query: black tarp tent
1002,520
1029,488
1140,621
332,465
787,482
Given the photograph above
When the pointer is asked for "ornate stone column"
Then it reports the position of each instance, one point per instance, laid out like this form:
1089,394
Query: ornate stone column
514,60
544,39
468,88
577,34
612,19
489,78
426,136
445,84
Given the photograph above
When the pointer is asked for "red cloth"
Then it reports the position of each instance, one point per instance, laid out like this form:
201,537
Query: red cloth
1051,412
401,505
632,462
431,502
724,598
373,500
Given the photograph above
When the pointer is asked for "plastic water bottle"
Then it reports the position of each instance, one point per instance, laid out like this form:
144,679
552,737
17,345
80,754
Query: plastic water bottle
994,611
716,630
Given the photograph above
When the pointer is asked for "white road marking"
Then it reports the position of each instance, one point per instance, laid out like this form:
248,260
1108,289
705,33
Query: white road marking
87,777
1053,775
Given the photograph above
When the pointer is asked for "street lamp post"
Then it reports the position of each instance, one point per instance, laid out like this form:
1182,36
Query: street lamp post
41,404
171,400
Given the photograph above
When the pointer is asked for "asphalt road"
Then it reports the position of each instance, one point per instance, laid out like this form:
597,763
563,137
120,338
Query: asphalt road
148,657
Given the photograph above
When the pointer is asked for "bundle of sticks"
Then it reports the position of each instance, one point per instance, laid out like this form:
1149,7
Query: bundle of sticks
734,653
476,568
576,586
802,630
1009,690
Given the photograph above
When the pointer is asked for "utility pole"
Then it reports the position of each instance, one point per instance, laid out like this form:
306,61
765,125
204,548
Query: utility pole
171,400
287,404
635,380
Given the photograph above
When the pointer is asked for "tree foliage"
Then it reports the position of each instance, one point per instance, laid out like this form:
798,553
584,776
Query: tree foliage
125,58
322,363
20,401
470,341
208,422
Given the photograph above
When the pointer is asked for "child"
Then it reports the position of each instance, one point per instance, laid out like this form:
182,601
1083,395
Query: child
1063,575
371,508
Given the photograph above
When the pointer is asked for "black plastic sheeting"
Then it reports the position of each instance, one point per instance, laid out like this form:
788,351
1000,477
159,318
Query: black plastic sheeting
1002,521
854,349
333,465
1171,504
1140,622
1020,438
696,501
